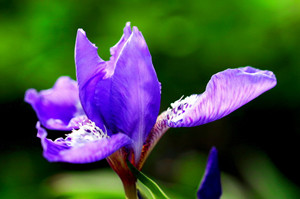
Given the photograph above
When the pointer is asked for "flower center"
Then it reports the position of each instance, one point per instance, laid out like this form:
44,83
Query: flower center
179,107
87,132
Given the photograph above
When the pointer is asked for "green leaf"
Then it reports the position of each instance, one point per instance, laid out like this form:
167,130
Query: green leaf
155,190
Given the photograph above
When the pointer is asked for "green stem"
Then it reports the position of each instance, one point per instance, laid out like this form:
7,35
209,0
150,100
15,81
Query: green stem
156,191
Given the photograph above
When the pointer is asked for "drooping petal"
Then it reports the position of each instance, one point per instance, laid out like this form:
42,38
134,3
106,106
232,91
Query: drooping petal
57,108
126,98
60,151
210,187
225,92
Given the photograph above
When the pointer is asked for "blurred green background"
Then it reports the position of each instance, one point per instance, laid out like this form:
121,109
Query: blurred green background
189,40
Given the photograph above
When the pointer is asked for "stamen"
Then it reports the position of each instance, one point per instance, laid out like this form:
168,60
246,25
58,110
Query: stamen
87,132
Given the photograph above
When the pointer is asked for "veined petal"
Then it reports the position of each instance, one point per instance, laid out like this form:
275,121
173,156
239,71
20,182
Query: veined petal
123,93
131,104
60,151
210,187
57,108
91,69
225,92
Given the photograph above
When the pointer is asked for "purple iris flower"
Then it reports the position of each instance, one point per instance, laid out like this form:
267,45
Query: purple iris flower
112,110
210,187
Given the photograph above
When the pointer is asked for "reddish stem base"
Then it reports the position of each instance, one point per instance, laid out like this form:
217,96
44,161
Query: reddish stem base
117,161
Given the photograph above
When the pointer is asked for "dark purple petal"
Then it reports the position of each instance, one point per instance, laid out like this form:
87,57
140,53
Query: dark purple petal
59,151
225,92
210,187
125,93
57,108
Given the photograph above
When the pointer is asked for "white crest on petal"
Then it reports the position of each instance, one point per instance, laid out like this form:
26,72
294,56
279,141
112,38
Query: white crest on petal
179,107
87,132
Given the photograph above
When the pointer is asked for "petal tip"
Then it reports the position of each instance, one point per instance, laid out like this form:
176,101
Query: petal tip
138,39
210,187
42,133
254,71
127,27
30,95
82,42
214,151
266,74
136,31
80,31
127,30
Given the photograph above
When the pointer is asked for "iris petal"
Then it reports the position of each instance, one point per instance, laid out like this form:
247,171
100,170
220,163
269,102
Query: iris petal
210,187
124,93
225,92
59,107
132,103
59,151
91,69
116,49
87,59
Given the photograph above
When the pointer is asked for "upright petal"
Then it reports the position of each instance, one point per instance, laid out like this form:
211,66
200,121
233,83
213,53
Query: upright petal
116,49
89,66
125,93
210,187
59,151
57,108
133,99
88,63
225,92
91,69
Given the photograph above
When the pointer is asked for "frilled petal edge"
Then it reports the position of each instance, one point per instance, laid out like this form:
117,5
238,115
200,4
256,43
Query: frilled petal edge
59,107
58,151
225,92
210,187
